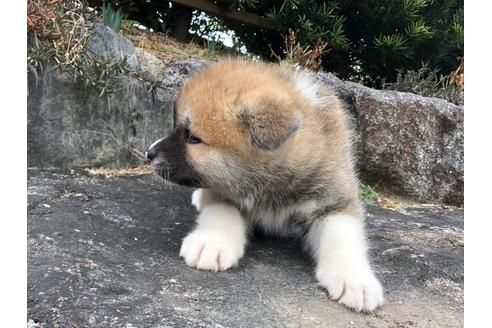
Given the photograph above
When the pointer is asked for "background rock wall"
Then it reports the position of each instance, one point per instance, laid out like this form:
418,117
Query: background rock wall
407,144
71,125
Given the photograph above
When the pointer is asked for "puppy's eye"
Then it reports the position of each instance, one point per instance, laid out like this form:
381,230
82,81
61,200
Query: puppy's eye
191,139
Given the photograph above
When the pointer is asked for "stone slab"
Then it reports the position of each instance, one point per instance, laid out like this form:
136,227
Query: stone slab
103,252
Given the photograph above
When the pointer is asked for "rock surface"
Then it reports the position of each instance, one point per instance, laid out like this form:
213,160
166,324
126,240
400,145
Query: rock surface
70,125
103,252
409,145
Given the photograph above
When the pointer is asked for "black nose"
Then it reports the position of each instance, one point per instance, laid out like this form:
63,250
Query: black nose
150,154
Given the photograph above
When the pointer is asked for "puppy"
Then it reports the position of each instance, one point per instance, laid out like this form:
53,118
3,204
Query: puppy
271,148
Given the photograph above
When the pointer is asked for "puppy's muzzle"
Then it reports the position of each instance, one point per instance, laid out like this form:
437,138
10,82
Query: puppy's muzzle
167,157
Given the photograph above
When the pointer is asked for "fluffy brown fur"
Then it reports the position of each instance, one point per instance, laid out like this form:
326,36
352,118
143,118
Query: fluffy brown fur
273,144
252,119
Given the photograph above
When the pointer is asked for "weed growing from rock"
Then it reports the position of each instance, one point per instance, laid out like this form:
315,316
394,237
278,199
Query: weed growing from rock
368,194
302,56
57,31
111,17
429,83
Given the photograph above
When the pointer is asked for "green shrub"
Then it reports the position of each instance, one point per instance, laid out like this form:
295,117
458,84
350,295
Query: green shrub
111,17
367,41
368,194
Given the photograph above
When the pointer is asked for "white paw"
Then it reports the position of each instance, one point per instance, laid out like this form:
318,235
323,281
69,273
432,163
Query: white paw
211,250
360,292
196,199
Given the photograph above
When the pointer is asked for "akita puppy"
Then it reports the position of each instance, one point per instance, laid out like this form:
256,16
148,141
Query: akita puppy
269,148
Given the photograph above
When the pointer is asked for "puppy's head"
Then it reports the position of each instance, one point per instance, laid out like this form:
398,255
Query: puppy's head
233,123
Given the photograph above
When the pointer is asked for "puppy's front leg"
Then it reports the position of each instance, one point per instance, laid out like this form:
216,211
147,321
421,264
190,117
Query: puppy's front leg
219,240
342,266
196,198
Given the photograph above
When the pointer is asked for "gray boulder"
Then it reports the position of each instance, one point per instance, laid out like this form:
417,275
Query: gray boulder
111,46
407,144
70,125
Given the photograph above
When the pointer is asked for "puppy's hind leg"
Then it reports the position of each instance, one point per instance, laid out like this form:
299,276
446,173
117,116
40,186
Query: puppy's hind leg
338,244
218,241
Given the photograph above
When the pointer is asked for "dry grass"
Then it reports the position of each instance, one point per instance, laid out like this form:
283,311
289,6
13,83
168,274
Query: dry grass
166,48
62,24
428,83
57,31
388,203
457,77
303,56
108,173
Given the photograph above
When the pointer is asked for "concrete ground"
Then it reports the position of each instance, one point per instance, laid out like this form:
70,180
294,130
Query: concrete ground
103,252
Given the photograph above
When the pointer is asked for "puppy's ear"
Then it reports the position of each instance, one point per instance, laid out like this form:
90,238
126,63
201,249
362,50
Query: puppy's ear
269,124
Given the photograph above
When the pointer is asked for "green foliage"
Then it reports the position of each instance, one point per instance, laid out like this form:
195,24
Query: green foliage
400,35
111,17
244,4
368,41
368,194
312,21
391,43
212,46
